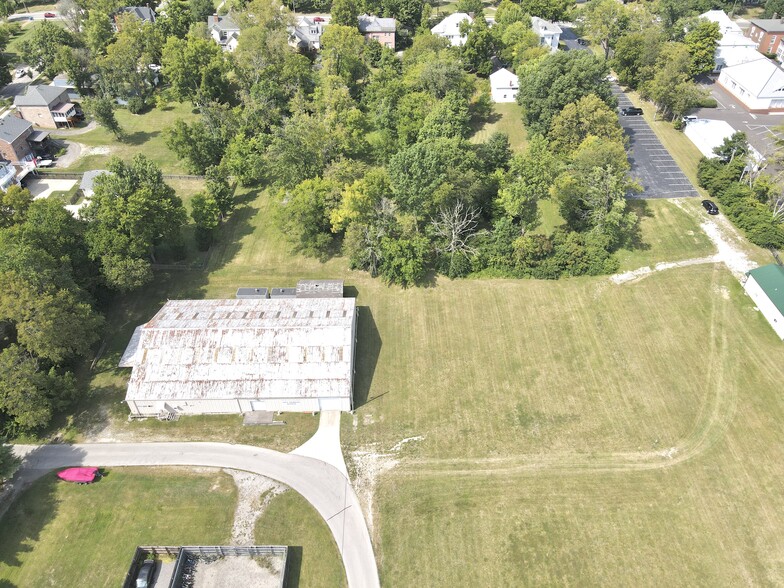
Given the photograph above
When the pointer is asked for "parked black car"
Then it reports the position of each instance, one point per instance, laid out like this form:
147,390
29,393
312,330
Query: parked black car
582,42
144,577
710,206
631,111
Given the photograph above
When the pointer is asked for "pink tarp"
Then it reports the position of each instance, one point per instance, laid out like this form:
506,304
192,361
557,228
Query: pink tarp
81,475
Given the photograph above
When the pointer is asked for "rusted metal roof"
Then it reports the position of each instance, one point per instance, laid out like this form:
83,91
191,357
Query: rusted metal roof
244,348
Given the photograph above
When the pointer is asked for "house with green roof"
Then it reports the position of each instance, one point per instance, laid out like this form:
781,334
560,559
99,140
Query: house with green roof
765,286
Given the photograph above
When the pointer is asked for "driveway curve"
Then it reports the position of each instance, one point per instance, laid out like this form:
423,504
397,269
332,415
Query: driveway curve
321,484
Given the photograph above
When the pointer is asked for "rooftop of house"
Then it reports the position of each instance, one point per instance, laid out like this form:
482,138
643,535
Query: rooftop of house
11,127
141,12
222,23
544,27
771,25
374,24
42,95
451,24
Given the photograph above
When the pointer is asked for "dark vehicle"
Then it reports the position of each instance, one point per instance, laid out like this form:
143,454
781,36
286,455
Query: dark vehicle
144,577
631,111
50,15
710,206
582,42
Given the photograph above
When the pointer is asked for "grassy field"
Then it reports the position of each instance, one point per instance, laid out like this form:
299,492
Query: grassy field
506,118
59,534
314,559
144,134
573,432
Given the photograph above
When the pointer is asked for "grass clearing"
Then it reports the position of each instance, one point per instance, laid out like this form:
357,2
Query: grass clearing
144,134
314,559
506,118
56,533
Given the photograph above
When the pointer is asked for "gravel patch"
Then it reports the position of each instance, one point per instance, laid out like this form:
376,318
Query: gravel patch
254,493
233,571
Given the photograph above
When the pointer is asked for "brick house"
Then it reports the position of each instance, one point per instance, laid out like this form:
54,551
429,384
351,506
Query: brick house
14,146
378,29
767,33
48,107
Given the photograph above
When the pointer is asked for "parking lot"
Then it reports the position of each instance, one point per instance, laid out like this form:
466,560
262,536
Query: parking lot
652,165
758,127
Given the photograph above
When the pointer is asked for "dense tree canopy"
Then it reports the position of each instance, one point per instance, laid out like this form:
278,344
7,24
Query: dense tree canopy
546,86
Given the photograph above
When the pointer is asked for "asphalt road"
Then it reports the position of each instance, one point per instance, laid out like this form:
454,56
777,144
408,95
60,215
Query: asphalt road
321,484
652,165
758,127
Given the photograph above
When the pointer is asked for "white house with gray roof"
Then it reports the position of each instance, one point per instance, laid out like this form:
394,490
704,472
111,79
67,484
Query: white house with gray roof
224,31
449,28
306,34
549,33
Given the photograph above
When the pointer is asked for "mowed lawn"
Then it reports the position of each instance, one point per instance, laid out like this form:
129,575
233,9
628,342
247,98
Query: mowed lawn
573,432
314,560
144,134
506,118
704,509
60,534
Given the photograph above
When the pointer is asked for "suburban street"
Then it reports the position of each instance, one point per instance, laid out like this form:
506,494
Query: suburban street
326,488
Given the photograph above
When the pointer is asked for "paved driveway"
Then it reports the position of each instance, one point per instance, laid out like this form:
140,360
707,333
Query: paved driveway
758,127
652,165
327,489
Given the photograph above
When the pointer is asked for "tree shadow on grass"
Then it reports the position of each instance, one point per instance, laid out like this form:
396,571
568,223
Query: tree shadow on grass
634,240
33,503
139,137
367,352
229,240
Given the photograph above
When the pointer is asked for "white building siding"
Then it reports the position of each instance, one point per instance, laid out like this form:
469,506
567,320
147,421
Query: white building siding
766,307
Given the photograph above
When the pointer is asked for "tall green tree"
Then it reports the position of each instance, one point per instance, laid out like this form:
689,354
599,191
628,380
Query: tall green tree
588,116
304,216
9,462
605,21
41,47
547,9
547,85
479,48
97,32
188,65
206,215
342,50
635,56
702,41
102,110
131,212
773,9
345,13
14,203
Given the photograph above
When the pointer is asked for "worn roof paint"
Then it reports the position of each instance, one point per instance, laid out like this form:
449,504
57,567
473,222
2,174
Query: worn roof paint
243,348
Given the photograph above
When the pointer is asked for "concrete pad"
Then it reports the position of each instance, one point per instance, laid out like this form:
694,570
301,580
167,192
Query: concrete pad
43,188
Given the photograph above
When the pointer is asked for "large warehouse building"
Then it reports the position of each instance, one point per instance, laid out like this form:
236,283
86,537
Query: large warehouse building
243,355
765,286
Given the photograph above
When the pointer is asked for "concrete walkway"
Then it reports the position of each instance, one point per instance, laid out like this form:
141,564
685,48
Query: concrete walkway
321,484
325,443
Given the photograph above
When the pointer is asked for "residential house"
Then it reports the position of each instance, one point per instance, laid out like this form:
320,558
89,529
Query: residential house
503,86
62,81
46,106
7,175
449,28
549,33
14,144
306,34
759,85
734,47
143,13
224,31
767,33
378,29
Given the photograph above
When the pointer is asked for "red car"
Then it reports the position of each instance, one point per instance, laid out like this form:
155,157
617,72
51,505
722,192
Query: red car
50,15
318,19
